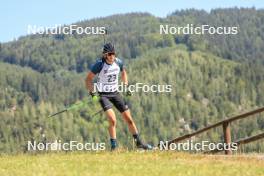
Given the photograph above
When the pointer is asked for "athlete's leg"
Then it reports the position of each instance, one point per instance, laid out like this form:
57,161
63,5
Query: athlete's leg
130,122
110,114
133,129
112,123
123,109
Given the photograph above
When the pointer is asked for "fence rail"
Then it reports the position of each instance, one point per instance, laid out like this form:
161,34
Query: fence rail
226,130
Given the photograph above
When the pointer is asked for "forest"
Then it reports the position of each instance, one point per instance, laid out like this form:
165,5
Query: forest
212,76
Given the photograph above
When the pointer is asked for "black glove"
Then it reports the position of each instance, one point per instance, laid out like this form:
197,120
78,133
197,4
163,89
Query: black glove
127,91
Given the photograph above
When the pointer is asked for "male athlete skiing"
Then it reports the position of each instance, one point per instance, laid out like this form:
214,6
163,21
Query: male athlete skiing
108,68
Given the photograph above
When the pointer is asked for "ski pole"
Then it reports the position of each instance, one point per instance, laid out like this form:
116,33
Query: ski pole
75,106
98,112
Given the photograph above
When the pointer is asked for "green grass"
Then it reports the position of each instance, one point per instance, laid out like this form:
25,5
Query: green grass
131,163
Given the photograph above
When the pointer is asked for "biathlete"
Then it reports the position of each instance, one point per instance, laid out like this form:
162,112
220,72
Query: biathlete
108,68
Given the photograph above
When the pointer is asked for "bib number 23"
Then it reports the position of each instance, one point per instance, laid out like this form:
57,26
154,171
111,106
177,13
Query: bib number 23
111,78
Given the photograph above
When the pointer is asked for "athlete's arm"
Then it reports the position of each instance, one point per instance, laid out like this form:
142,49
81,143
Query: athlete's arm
124,77
89,81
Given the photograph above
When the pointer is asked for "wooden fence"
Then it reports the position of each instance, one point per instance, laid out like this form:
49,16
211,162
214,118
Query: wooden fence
226,124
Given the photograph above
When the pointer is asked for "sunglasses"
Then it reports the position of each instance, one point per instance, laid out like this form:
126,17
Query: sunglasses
110,54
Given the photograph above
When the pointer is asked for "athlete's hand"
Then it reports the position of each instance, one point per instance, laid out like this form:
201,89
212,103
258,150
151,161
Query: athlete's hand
95,98
128,92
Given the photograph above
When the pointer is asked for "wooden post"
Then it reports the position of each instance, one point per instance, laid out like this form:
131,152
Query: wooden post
227,137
